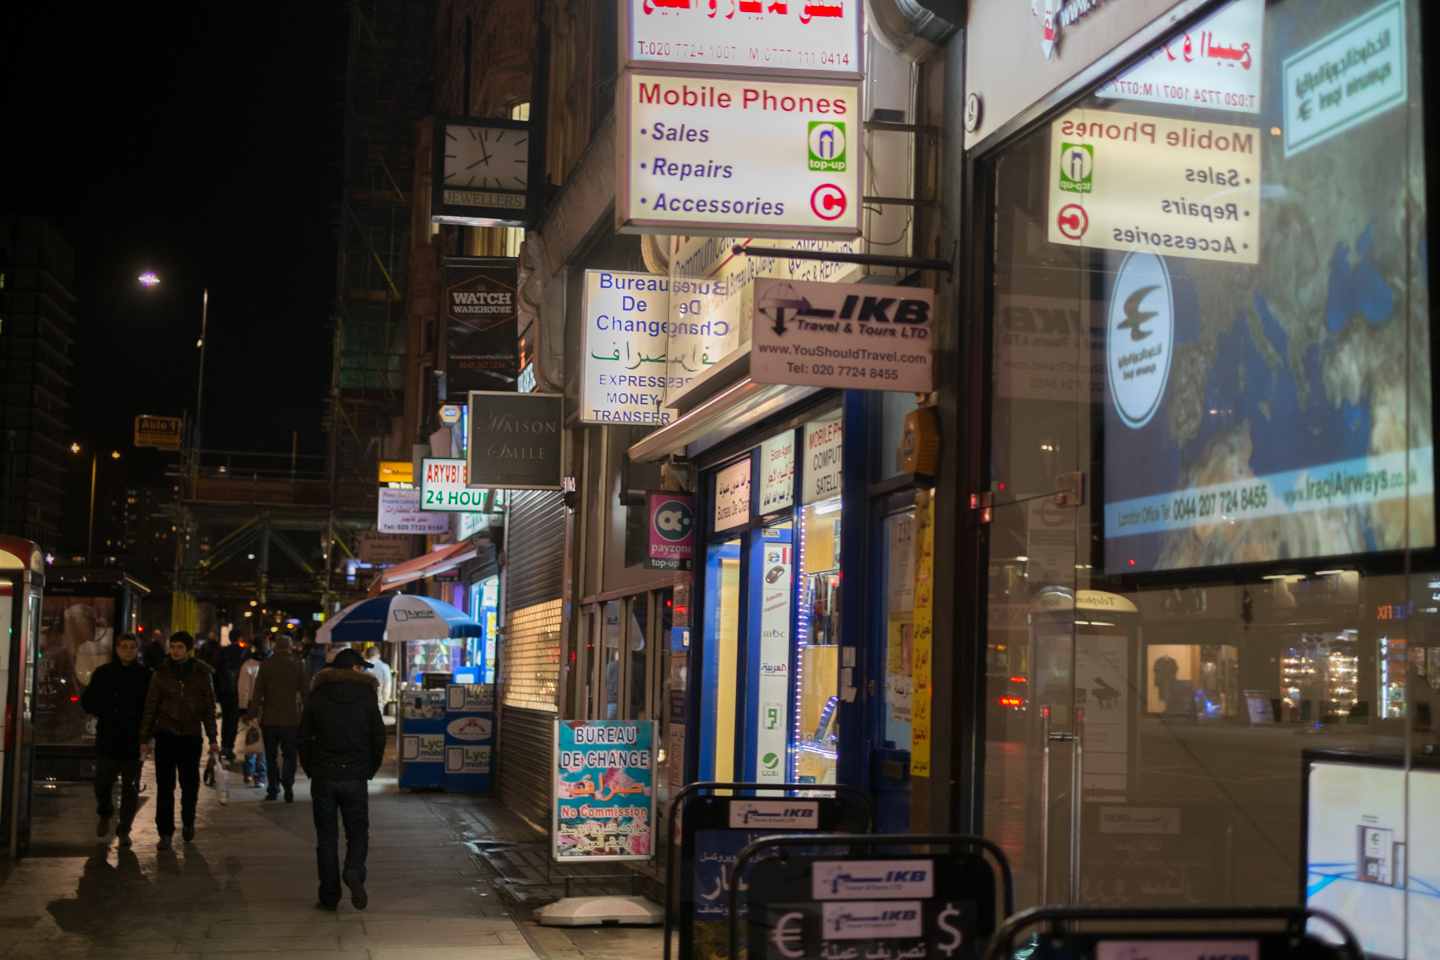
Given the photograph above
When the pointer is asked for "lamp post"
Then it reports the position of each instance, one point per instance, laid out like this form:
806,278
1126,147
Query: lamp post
149,279
94,469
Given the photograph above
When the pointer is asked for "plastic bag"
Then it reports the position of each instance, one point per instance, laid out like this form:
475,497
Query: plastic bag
253,740
221,777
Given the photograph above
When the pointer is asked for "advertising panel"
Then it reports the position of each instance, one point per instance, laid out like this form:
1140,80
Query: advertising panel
384,548
481,327
399,512
515,441
720,155
1215,65
77,635
809,36
443,488
844,335
604,790
823,442
672,526
623,360
469,736
1121,181
732,496
777,473
774,558
162,432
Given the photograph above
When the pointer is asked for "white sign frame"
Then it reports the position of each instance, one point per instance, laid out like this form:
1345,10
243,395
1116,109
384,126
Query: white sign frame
429,524
450,490
724,32
735,476
655,305
848,224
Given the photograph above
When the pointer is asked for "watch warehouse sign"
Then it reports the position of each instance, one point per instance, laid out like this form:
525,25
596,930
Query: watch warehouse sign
514,441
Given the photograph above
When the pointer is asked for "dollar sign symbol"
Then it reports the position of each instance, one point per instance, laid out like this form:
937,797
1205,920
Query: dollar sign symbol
954,944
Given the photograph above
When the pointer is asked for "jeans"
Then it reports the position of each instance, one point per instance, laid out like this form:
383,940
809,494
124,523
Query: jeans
280,740
128,772
229,724
176,755
352,799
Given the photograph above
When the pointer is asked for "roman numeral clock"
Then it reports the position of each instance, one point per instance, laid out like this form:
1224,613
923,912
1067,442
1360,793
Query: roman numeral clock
482,172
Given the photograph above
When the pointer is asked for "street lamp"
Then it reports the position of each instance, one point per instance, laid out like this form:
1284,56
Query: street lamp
149,279
94,467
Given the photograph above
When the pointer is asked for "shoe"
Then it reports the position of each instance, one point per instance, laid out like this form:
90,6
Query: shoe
187,832
289,793
123,839
331,907
163,843
249,780
358,897
228,756
103,827
272,796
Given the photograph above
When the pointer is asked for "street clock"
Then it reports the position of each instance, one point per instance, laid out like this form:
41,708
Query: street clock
482,174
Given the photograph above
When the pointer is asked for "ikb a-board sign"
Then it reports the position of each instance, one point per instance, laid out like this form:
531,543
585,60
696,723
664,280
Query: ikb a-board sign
624,353
802,36
847,335
719,155
443,487
604,802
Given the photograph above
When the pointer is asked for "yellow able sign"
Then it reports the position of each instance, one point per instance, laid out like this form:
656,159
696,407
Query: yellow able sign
163,432
396,471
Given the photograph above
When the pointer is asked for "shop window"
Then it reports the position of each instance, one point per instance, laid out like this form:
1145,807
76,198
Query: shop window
1210,456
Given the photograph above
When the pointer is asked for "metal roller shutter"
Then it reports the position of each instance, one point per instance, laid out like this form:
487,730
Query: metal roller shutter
534,548
526,740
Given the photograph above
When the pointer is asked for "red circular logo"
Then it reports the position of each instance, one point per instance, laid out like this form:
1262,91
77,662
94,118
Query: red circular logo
828,202
1073,221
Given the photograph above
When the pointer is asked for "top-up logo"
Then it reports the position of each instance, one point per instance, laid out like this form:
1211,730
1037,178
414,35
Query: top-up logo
1077,161
827,145
1139,338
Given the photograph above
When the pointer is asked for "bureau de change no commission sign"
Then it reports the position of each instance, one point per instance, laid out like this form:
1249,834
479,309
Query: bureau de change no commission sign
719,156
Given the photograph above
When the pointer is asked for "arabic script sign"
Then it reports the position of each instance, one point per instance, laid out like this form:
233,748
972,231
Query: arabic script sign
604,789
623,359
815,36
1215,65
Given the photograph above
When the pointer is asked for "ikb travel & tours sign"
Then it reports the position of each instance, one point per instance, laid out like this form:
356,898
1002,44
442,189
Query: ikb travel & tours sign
846,335
604,789
720,155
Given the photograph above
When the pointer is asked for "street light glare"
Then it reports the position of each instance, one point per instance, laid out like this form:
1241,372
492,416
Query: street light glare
115,455
149,279
74,448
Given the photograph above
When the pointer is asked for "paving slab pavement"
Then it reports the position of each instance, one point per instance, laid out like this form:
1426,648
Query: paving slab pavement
246,887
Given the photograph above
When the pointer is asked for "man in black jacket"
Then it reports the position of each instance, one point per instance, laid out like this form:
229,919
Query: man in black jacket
342,743
179,707
116,696
227,663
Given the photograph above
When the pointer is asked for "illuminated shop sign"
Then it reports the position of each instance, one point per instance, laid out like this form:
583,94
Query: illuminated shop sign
812,36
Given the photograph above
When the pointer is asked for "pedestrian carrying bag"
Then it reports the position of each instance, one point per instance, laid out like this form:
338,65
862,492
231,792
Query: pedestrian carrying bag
221,778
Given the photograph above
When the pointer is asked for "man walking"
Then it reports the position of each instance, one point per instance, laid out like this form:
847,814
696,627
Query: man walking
116,696
228,662
279,696
342,744
179,705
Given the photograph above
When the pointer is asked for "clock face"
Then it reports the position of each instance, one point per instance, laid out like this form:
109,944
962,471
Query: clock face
486,158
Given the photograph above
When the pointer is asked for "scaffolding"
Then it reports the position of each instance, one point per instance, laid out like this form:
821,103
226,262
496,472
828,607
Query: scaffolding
386,91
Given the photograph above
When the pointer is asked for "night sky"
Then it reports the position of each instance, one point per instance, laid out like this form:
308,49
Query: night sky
201,141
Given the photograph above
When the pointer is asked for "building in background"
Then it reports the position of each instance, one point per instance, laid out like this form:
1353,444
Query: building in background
37,272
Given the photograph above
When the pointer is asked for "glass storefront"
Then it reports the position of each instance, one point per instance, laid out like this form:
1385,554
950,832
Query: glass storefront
1206,299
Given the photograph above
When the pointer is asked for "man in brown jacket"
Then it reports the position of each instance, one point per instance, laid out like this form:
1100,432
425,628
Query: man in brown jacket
179,705
281,688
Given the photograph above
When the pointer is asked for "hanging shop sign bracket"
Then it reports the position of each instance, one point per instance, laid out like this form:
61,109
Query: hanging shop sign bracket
866,259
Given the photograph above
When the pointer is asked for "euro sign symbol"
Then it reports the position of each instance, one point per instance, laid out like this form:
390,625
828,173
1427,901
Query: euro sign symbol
954,944
784,935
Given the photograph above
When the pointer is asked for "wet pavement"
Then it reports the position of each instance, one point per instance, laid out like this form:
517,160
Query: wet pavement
438,882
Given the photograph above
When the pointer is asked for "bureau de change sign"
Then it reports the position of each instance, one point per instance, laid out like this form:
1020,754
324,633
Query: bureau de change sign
855,336
721,155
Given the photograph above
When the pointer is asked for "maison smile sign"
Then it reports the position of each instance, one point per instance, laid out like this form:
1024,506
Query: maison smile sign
515,440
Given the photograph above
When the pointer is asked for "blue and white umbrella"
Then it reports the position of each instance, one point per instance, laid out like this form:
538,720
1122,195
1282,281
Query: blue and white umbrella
398,618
